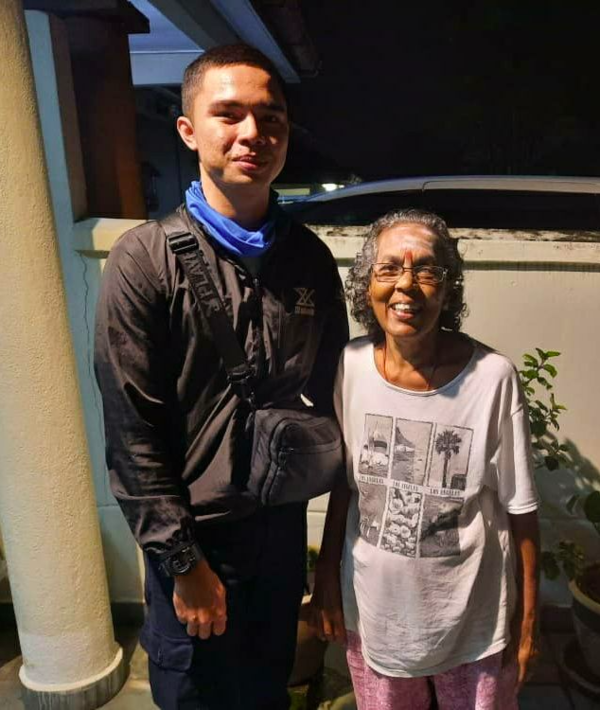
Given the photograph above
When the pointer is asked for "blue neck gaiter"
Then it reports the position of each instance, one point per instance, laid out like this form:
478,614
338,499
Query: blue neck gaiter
235,239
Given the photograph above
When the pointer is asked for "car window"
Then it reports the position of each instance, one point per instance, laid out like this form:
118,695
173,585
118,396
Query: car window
514,209
486,209
355,210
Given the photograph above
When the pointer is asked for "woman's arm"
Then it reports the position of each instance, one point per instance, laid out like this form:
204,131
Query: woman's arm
327,616
526,538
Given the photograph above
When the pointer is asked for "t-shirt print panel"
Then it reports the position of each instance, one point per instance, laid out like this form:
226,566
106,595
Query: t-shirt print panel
411,481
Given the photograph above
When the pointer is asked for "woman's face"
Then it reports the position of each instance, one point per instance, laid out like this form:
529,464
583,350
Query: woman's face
405,308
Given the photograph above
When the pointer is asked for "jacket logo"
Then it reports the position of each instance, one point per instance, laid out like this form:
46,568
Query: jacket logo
305,305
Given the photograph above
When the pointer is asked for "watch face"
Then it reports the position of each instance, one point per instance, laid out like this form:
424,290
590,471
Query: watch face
181,566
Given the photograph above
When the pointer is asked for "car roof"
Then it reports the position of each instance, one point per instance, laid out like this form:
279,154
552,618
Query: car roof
526,183
464,201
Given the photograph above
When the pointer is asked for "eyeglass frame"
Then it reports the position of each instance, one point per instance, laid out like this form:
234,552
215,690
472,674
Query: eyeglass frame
414,271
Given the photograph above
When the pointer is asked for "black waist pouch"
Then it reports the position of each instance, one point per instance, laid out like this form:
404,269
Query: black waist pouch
296,455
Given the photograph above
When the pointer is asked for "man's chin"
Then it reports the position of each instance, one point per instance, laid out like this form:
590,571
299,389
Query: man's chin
247,177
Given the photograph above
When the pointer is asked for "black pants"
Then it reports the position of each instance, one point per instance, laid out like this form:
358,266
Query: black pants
261,562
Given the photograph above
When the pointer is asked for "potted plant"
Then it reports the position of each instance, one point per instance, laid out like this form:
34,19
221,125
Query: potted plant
537,377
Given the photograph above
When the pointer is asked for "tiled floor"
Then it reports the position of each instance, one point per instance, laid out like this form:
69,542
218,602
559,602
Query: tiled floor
548,688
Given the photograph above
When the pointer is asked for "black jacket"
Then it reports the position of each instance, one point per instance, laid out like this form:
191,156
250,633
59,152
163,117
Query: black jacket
174,442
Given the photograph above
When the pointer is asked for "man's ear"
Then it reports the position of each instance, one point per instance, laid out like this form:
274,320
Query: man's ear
186,132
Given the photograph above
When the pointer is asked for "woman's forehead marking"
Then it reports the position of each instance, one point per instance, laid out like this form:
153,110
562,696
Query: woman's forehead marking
403,238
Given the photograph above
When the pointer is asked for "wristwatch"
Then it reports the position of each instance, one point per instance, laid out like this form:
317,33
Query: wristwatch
182,561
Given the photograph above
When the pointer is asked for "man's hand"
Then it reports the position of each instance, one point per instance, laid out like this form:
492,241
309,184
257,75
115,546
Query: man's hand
199,601
326,614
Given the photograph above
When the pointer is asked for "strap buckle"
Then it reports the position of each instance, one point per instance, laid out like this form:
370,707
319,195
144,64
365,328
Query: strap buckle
182,243
242,385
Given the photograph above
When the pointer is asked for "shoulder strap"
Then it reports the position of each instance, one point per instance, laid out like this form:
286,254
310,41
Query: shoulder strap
186,248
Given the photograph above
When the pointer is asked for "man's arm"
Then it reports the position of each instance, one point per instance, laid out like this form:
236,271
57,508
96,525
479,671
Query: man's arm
526,538
131,367
334,338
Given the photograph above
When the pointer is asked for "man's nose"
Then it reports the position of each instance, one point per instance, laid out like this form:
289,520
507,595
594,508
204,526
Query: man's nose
250,129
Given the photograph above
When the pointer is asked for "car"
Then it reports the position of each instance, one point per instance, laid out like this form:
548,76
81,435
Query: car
487,202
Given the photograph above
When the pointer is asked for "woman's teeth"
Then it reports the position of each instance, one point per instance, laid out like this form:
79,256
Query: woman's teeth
404,308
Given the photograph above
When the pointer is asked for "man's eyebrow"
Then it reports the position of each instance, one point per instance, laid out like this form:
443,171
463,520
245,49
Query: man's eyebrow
226,103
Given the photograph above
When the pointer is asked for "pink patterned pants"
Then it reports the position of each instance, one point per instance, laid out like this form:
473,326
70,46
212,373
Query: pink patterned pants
481,685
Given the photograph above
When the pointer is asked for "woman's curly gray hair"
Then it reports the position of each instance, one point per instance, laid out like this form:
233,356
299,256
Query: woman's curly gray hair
359,277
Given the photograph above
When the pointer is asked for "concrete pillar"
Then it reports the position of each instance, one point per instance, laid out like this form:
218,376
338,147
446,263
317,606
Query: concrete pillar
47,510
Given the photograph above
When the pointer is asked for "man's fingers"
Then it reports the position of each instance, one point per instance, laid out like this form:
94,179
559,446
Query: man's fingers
204,630
191,628
219,626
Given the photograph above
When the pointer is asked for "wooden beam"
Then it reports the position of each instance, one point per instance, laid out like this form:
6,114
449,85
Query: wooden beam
134,21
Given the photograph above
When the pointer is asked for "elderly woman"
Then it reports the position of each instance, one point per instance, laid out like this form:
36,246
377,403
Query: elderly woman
436,531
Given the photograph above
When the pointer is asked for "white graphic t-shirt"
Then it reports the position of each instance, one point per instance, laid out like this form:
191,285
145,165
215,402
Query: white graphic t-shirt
428,569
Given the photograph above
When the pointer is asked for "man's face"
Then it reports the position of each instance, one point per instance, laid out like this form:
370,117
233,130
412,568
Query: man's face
239,126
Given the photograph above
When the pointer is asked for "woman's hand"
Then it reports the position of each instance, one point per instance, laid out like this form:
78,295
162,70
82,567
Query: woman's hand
526,537
526,652
326,615
522,648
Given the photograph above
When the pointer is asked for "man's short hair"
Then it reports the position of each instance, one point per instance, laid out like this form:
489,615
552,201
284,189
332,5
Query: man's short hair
224,56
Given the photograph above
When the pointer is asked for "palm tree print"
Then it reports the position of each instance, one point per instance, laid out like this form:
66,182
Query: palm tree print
447,443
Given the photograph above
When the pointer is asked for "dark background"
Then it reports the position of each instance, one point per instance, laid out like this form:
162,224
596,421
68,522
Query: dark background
454,87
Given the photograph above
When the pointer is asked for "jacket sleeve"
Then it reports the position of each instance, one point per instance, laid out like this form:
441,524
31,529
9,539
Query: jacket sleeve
131,340
333,339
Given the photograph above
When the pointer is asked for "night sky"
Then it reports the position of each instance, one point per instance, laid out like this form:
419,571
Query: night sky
454,87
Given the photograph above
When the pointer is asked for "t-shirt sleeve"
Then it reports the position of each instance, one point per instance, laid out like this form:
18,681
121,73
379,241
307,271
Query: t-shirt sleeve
516,483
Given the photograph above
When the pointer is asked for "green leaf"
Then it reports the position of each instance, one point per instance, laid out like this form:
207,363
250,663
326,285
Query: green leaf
542,354
591,507
550,565
551,463
538,428
552,353
530,374
550,368
529,360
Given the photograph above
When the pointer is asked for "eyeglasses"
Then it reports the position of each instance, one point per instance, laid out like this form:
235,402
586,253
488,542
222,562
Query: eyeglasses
389,272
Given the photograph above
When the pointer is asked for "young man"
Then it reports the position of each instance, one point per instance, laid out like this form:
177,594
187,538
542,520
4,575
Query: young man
224,577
